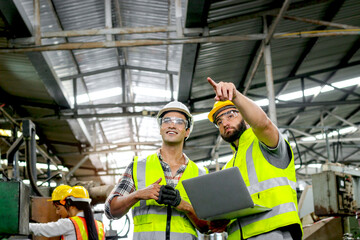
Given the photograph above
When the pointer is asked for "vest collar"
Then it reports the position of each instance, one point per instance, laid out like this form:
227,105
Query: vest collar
246,136
161,159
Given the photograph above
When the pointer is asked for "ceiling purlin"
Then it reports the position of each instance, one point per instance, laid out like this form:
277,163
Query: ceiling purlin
116,68
53,9
257,14
330,13
351,154
286,79
323,83
196,17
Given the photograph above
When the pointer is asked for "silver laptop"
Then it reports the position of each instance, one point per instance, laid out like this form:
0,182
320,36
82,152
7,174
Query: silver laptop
221,195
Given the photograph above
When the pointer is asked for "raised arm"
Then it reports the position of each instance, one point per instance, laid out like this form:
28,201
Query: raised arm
263,127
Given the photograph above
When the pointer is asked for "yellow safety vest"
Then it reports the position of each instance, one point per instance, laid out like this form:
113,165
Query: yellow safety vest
81,228
151,220
269,186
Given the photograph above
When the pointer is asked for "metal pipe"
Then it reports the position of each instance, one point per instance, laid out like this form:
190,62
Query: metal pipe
171,86
270,84
41,151
270,34
269,79
254,69
46,156
153,42
10,154
343,120
9,117
301,132
327,145
74,82
116,69
319,22
178,15
111,31
37,23
108,22
76,167
143,113
30,154
116,105
282,11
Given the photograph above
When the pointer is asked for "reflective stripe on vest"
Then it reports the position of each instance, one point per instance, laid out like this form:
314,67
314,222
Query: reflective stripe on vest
275,190
161,235
150,218
283,208
81,228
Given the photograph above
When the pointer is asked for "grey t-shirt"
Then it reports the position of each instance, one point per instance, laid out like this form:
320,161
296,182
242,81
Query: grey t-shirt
279,156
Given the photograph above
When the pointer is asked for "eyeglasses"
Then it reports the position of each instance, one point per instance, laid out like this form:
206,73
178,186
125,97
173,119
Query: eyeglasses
175,120
228,116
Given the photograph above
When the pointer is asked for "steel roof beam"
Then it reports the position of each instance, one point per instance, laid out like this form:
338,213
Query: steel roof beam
196,16
108,31
157,42
323,83
296,77
257,14
320,22
19,28
118,68
304,75
78,126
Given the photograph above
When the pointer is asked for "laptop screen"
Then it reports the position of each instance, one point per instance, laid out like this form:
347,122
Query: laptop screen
218,193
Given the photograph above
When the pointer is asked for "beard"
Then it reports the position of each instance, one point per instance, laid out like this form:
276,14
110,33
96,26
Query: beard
239,129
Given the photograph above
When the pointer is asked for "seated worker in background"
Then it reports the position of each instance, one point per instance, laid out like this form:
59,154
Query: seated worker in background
80,224
153,188
57,195
266,163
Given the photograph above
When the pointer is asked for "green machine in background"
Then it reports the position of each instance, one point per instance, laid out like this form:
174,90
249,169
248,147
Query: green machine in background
14,208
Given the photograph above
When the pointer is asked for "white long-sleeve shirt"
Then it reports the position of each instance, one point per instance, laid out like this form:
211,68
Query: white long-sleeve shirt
63,227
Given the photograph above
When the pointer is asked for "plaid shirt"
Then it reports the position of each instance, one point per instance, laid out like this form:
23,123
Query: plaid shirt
126,184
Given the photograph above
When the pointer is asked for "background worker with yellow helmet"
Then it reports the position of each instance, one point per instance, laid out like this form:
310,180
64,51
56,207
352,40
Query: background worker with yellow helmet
266,163
57,195
80,224
152,187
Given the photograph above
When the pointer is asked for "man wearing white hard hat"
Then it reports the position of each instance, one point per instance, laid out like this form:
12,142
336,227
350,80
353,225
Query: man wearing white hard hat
152,187
266,163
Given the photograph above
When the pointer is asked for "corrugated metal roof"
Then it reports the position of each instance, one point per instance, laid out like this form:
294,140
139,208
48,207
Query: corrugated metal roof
147,72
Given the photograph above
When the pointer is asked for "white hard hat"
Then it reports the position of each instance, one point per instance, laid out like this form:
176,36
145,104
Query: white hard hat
176,106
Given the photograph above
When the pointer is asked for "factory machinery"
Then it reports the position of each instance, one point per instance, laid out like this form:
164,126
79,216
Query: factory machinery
21,203
335,198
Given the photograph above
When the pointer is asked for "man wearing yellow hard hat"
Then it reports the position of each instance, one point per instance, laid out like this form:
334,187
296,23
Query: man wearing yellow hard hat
266,163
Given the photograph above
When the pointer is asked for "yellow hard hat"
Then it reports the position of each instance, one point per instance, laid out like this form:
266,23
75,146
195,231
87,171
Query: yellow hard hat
59,193
217,106
77,194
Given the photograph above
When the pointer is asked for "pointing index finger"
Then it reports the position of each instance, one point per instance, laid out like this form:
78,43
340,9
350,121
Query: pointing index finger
212,82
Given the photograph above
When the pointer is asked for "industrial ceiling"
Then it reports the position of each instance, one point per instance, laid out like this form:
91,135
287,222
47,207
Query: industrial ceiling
91,76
